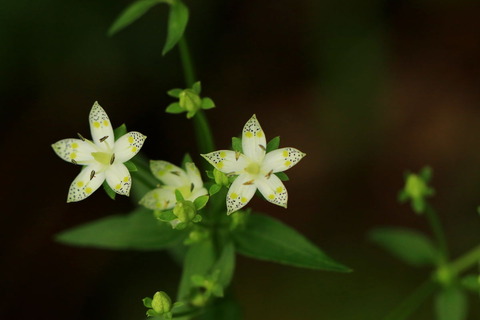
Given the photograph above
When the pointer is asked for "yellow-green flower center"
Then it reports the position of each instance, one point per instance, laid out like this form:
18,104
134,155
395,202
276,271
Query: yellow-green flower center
253,168
103,157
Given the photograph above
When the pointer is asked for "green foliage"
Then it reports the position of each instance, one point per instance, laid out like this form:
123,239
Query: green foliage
177,22
268,239
131,166
407,245
237,144
471,282
282,176
174,108
108,190
226,264
207,104
136,231
214,189
174,93
416,189
273,144
132,13
451,304
200,202
120,131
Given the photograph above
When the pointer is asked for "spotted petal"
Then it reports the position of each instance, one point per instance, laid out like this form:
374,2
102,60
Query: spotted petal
273,190
128,145
89,180
100,126
159,199
240,193
227,161
118,178
168,173
74,150
281,159
253,140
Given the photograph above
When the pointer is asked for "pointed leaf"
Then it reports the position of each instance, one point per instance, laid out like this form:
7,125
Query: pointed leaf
178,195
197,87
165,216
174,108
136,231
207,103
131,166
226,264
200,202
273,144
177,22
407,245
109,190
268,239
186,159
175,93
282,176
120,131
451,304
214,189
237,144
132,13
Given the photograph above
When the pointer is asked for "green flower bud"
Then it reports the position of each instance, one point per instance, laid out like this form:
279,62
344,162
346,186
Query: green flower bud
161,302
189,100
185,211
220,177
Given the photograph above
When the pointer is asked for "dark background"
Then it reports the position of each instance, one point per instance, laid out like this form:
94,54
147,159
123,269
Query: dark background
368,89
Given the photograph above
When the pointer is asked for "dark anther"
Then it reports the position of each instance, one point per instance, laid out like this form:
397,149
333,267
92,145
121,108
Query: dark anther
80,136
269,174
92,174
73,161
112,159
103,138
248,183
262,147
175,173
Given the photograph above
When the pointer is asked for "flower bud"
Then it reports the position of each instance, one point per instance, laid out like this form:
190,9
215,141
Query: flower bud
161,302
189,100
220,177
185,211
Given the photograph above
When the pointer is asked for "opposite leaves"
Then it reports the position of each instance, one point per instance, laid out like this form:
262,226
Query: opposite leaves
265,238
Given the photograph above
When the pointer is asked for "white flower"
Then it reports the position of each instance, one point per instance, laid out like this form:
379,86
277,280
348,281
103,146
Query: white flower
188,182
255,168
102,159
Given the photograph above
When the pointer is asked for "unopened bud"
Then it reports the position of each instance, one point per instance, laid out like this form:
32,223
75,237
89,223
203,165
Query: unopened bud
161,302
220,177
189,100
185,211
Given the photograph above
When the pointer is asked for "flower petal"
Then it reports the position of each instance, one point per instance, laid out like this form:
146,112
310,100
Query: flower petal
90,178
168,173
74,150
197,193
100,127
159,199
193,175
281,159
273,190
227,161
240,193
118,178
253,140
128,145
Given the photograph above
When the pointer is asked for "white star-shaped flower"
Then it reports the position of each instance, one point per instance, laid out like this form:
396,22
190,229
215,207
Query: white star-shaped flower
102,158
255,168
188,182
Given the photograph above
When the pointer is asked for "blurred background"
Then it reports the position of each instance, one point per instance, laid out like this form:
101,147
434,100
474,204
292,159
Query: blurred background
368,89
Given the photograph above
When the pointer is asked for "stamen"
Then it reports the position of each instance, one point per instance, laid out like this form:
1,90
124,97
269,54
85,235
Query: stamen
81,137
269,174
248,183
262,147
237,155
112,159
191,187
175,173
103,138
74,162
92,174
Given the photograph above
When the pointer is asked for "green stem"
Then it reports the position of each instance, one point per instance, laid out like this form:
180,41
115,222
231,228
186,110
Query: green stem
465,261
202,129
438,232
412,302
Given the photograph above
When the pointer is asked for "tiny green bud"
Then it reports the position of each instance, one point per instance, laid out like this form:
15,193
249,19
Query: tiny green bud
220,177
189,100
185,210
161,302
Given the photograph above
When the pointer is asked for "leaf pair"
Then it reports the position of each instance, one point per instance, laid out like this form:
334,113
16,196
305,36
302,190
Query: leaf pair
177,19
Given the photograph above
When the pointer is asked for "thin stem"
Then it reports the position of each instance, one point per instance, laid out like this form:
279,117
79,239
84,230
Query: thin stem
202,129
412,302
438,232
465,261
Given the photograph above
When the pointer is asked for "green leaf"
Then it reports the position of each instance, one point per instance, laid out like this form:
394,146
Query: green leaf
200,202
451,304
132,13
210,174
407,245
186,159
198,261
426,173
207,103
226,264
197,87
130,166
471,282
120,131
273,144
268,239
177,22
282,176
174,108
178,195
109,190
136,231
147,302
165,216
214,189
237,144
175,93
